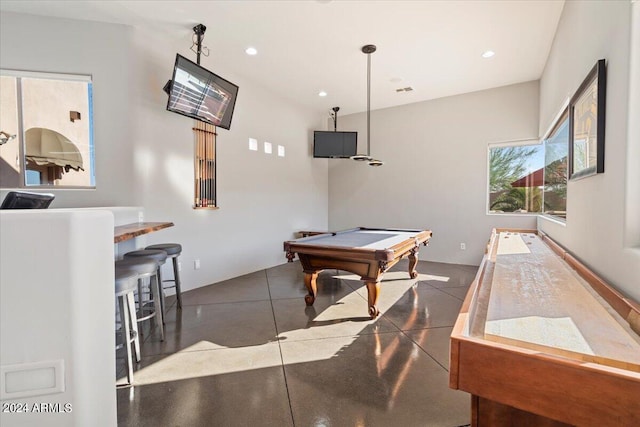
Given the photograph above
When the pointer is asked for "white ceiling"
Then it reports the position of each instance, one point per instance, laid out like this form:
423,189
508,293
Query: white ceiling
305,46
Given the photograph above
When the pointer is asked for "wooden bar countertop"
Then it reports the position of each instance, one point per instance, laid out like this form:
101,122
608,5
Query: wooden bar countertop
129,231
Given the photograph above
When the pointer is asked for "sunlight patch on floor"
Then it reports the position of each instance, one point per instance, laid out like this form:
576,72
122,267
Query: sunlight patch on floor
193,364
345,318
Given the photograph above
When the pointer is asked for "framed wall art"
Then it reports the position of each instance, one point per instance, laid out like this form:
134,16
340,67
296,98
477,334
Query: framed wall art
587,124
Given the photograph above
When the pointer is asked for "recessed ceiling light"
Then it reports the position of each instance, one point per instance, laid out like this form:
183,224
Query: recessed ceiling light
488,54
322,93
251,51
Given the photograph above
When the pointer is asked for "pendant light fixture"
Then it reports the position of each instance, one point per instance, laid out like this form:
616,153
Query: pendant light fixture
368,50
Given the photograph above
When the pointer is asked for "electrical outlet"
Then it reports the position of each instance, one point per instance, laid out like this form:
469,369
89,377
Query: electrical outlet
196,264
463,246
179,266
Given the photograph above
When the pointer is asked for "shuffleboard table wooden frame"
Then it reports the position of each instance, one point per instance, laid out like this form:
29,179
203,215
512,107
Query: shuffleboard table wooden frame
317,253
518,383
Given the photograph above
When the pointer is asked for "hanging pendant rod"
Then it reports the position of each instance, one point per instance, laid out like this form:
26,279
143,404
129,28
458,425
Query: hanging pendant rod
369,101
199,31
334,116
368,50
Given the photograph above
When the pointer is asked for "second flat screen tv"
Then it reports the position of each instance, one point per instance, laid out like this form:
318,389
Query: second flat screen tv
334,145
200,94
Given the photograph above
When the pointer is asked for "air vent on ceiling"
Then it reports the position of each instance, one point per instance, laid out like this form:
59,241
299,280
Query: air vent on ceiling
404,89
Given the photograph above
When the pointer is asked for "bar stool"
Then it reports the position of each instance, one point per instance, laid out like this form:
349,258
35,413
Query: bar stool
173,251
160,257
146,268
125,286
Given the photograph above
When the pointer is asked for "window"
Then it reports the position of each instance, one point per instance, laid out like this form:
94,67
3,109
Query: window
556,148
47,130
516,177
531,177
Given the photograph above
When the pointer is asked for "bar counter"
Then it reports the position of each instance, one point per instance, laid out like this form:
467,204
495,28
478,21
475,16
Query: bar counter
129,231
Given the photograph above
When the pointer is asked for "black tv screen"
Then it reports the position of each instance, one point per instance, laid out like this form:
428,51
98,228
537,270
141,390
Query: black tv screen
200,94
25,200
334,145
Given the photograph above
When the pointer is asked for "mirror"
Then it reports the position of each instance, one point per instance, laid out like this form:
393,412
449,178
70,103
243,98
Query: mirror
46,130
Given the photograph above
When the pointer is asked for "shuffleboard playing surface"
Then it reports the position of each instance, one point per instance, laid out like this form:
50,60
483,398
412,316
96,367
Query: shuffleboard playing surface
537,301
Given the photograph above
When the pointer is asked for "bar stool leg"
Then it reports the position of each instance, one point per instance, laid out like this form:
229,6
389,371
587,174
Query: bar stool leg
161,290
126,336
176,279
140,299
157,299
131,303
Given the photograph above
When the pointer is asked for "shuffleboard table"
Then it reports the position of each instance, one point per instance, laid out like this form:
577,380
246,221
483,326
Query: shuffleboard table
367,252
541,340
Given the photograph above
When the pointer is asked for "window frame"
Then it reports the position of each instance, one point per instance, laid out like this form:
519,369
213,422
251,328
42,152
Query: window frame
82,78
558,120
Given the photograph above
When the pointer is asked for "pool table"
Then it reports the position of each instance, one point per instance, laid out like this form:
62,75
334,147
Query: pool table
367,252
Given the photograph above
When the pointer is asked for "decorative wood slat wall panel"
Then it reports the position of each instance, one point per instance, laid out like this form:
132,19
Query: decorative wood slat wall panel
205,165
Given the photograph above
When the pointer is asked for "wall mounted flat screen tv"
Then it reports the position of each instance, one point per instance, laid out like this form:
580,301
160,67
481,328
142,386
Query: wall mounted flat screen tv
334,145
200,94
26,200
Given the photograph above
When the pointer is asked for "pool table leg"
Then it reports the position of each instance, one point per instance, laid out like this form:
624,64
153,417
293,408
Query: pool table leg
310,283
413,262
373,289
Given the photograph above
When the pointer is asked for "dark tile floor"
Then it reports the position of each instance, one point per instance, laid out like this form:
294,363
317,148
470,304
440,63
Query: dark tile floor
248,352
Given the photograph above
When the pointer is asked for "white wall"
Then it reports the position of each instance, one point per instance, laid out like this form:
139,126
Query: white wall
632,224
263,198
435,171
57,304
596,206
144,154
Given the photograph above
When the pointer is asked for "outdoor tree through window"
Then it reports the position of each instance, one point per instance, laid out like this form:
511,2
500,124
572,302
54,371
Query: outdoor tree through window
516,177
